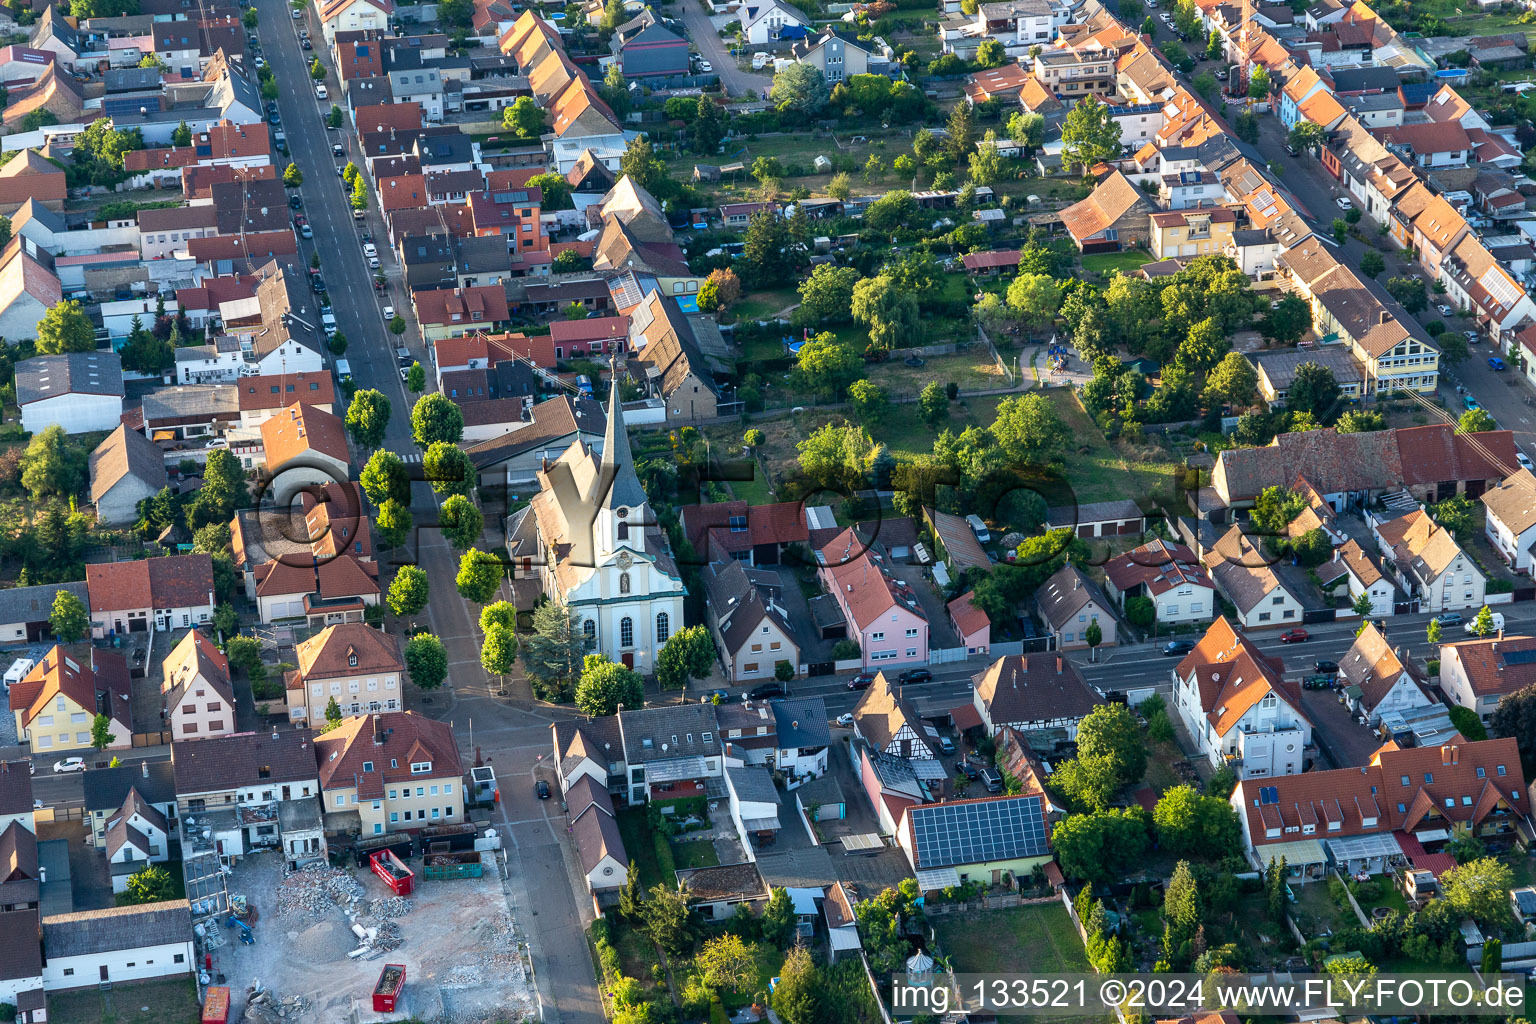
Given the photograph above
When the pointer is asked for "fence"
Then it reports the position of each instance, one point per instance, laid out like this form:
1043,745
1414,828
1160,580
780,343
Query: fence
151,739
947,655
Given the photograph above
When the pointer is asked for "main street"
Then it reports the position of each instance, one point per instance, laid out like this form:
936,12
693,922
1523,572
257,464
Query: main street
512,737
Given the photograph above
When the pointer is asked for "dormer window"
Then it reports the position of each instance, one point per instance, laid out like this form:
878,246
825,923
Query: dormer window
421,767
367,766
352,657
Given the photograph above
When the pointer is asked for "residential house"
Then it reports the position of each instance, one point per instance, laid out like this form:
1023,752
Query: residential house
971,624
672,363
752,632
1427,563
1169,575
390,772
56,702
595,831
353,664
125,469
1188,233
646,49
150,594
1430,146
1115,216
449,312
198,699
1510,521
28,177
1246,576
593,747
882,613
1069,603
802,738
755,534
24,611
21,961
263,397
754,806
304,446
16,805
1278,369
514,458
28,288
422,85
598,335
1237,706
1380,678
1032,692
766,21
79,391
1477,674
887,723
90,948
838,54
670,752
1092,519
892,785
1363,576
137,835
1357,812
353,16
106,789
991,841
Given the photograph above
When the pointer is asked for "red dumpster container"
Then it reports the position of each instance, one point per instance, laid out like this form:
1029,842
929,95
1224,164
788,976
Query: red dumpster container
216,1005
400,879
391,981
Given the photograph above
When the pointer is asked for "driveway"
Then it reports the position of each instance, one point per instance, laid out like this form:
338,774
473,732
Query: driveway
1339,738
706,39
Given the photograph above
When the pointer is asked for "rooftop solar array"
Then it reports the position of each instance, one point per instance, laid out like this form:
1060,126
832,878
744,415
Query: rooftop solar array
978,832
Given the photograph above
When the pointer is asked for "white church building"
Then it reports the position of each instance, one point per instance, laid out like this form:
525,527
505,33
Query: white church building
599,550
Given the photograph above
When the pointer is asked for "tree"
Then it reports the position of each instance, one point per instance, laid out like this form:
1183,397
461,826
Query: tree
1101,846
1246,126
1089,134
639,162
959,133
182,135
1205,84
385,477
250,18
606,686
1110,731
778,920
332,714
1259,84
665,918
904,166
553,653
1233,382
150,884
727,963
765,168
408,591
1314,391
52,464
688,652
933,404
335,118
479,576
350,173
1028,426
1189,824
416,379
1409,293
427,661
797,998
317,70
840,187
799,88
892,211
498,613
1305,136
720,290
1372,263
292,176
1472,730
1213,46
1474,420
769,250
838,455
1455,514
1288,320
986,164
367,418
69,620
870,402
1482,625
359,199
461,522
1034,298
753,438
1432,634
709,125
498,651
990,54
890,313
435,418
1479,890
825,367
449,469
64,328
1360,421
101,732
826,295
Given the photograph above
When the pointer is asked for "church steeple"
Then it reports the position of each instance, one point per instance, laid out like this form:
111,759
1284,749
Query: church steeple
618,466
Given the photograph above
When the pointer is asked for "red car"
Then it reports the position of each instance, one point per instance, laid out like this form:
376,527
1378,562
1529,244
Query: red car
1294,635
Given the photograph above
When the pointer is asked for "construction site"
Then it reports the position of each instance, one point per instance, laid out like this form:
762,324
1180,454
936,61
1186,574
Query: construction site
364,943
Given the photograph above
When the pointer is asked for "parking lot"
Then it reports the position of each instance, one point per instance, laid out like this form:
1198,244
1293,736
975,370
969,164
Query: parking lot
1342,741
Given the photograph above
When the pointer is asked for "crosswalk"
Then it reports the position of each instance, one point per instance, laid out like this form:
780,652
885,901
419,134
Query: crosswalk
410,457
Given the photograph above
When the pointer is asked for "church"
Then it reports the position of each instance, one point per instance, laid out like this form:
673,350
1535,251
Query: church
597,548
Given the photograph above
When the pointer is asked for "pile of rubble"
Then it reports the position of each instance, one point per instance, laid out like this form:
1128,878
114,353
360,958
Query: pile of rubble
262,1007
316,890
394,906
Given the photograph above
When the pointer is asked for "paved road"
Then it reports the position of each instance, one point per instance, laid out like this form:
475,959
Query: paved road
706,39
512,737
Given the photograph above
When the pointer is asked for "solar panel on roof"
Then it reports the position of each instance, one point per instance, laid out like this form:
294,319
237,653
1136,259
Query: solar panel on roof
1520,657
977,833
1269,794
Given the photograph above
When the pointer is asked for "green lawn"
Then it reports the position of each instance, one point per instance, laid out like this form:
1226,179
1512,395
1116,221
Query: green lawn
1096,471
770,962
1104,262
697,854
762,305
642,845
168,1001
755,491
973,370
1039,939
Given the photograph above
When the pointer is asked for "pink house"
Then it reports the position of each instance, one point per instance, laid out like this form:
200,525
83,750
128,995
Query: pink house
882,612
971,623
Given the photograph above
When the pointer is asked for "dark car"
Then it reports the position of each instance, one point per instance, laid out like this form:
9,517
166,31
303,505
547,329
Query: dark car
1326,666
306,44
296,201
318,284
542,788
915,675
1173,647
274,118
861,681
967,769
767,690
1295,636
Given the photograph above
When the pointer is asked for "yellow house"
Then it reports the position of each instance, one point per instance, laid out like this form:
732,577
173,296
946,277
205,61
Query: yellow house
390,772
1199,231
983,841
56,703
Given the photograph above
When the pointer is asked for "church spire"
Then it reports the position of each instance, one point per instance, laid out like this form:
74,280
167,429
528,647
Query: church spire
618,467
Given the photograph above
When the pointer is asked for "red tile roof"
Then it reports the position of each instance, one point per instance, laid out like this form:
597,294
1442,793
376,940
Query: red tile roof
302,428
780,523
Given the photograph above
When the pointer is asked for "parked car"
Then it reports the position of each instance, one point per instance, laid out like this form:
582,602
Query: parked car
296,201
389,312
373,263
1448,618
1495,363
542,788
1181,647
318,284
845,719
1524,460
306,44
1470,402
1327,666
1445,310
1498,624
337,151
1343,203
861,681
369,249
403,358
915,675
970,771
992,779
706,67
1295,636
305,231
1471,337
70,764
766,690
946,745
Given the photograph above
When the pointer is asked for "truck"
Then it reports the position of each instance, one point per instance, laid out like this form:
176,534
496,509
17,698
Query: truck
387,990
216,1005
400,879
462,864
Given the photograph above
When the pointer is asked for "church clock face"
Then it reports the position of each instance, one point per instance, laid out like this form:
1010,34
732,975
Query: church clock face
625,561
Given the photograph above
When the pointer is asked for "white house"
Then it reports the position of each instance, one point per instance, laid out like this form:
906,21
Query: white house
353,16
765,22
222,361
137,835
79,391
1237,708
754,804
150,594
91,948
595,831
1167,574
1477,674
1359,571
801,737
1428,563
1385,679
1242,572
125,468
1510,524
198,698
889,724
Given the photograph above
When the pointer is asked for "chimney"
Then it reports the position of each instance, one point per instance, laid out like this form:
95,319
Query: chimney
1445,755
1025,662
1058,664
144,768
1455,753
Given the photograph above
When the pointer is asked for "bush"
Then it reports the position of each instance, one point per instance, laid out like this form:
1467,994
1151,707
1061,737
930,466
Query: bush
845,649
1433,666
1499,587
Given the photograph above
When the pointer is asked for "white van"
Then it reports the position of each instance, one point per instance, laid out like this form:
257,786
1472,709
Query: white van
1498,623
343,370
979,528
760,60
328,322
